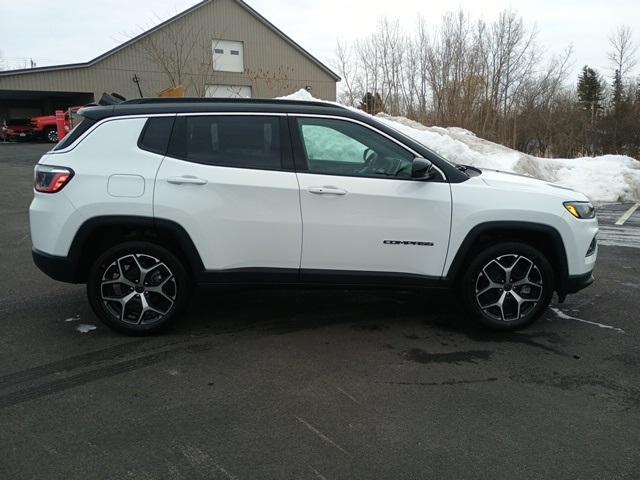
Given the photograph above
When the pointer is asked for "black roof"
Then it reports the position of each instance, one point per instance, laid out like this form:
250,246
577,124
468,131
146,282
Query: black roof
151,106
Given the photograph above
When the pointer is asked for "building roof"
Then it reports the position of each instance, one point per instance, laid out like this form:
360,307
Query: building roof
146,33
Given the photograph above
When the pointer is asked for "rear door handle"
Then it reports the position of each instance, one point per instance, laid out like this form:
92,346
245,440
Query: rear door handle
327,190
187,179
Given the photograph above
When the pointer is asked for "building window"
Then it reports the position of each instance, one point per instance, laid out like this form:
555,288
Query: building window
228,91
228,55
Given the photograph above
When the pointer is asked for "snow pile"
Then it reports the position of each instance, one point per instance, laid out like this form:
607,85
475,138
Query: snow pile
607,178
301,94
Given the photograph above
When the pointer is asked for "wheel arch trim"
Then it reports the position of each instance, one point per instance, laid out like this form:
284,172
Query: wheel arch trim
177,232
500,227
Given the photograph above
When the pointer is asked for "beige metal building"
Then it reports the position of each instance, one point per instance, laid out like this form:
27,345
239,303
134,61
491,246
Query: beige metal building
217,48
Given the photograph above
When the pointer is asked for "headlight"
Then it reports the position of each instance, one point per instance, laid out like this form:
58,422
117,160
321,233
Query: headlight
580,209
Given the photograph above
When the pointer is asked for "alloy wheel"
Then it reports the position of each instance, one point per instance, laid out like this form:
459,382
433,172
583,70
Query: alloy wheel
138,289
52,136
508,287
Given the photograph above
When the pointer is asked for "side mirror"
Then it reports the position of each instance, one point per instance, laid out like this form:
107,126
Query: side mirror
422,169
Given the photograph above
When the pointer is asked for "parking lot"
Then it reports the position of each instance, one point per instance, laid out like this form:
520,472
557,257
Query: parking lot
315,383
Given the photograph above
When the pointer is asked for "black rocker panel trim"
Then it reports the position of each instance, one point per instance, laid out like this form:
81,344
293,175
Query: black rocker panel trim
310,278
368,278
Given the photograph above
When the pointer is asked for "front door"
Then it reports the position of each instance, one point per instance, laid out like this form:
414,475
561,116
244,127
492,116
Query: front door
362,214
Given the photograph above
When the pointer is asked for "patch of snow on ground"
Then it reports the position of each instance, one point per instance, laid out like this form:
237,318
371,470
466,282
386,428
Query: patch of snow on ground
608,178
560,314
85,328
72,319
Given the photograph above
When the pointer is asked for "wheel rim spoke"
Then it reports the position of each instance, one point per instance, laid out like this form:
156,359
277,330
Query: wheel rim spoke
129,300
508,287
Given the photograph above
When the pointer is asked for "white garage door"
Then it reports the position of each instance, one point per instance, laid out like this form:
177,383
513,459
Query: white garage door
228,91
228,56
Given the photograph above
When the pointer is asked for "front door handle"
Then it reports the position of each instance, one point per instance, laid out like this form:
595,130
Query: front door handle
327,190
187,179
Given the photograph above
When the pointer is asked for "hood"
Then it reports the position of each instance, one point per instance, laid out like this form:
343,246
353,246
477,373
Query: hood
43,117
509,180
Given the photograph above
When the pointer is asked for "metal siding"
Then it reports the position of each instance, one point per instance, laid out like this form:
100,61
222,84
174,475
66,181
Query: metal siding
266,55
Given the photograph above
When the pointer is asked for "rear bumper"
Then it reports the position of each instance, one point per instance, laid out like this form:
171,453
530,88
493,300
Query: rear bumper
58,268
575,283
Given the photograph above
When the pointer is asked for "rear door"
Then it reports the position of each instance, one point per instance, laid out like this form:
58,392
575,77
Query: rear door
363,216
228,180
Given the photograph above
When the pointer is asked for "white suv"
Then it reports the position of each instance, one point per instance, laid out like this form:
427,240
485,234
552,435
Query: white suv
146,198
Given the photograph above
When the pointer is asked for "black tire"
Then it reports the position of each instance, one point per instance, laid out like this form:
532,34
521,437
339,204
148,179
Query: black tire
51,135
165,291
524,294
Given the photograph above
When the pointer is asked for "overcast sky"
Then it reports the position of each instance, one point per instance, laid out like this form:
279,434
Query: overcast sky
78,30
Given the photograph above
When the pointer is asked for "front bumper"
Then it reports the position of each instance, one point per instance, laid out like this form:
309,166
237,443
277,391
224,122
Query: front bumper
575,283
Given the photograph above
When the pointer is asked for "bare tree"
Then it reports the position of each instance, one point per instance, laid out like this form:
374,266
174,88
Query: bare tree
623,53
264,82
183,54
492,77
347,68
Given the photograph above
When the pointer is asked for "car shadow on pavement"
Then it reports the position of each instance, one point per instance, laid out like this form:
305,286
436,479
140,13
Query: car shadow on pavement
285,310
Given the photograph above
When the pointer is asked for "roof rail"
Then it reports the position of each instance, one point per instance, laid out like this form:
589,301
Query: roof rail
153,100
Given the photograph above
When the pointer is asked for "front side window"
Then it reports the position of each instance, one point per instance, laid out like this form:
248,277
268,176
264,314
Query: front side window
228,140
340,147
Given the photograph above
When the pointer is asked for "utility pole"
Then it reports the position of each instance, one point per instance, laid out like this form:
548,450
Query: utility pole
136,80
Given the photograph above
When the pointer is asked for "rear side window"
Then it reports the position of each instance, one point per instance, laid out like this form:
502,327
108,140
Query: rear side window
84,125
155,135
251,141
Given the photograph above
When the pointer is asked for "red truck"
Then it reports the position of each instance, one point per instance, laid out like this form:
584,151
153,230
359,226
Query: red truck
15,130
44,127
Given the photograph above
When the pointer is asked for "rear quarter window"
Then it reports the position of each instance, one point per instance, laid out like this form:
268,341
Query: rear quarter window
155,135
84,125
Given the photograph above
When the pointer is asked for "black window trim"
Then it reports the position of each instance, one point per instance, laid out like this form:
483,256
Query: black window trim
286,152
74,134
300,158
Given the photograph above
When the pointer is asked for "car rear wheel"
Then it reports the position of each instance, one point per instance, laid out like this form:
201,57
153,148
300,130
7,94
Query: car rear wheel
51,135
137,288
508,286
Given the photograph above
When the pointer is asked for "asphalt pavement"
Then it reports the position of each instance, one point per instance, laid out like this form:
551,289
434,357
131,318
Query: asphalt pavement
317,384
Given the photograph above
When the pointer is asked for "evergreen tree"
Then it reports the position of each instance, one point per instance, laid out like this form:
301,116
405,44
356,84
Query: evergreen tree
371,103
590,92
618,89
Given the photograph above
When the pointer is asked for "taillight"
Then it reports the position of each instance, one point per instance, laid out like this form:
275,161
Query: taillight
50,179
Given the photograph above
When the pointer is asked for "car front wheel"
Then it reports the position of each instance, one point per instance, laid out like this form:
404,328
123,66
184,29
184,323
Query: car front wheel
137,288
508,286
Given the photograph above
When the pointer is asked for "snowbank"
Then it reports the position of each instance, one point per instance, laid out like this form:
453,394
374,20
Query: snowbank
607,178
